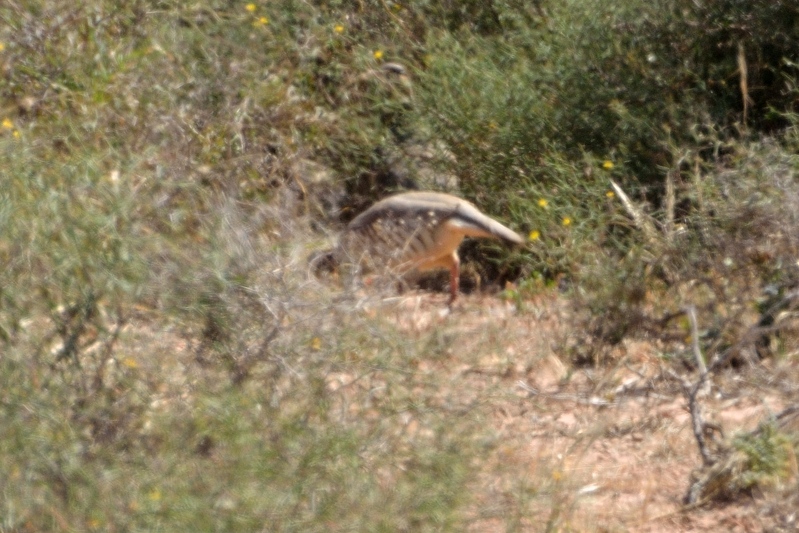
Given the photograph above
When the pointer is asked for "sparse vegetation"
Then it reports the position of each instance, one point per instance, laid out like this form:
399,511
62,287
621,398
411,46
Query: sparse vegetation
169,362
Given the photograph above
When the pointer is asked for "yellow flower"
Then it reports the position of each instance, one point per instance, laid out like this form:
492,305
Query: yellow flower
610,194
378,54
130,362
534,235
567,221
154,495
492,125
262,21
607,165
542,202
338,28
557,475
316,344
250,7
2,47
7,124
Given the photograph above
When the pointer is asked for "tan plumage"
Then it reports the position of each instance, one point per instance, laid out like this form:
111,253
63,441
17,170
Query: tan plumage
417,231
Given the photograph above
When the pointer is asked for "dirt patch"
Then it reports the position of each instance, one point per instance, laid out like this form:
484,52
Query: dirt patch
601,448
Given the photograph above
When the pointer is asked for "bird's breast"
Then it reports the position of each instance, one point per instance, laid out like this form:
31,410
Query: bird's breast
423,241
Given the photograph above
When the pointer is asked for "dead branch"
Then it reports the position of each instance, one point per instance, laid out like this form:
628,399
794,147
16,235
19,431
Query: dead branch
723,466
671,201
743,72
643,221
595,401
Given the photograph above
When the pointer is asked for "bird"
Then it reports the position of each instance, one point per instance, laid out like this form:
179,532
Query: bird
415,231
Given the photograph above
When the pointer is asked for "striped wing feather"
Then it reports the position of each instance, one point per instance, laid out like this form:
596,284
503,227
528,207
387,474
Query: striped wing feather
418,230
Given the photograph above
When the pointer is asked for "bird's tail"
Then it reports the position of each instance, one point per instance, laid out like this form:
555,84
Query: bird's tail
484,226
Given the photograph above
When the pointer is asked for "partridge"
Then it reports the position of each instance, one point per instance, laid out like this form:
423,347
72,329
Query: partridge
416,231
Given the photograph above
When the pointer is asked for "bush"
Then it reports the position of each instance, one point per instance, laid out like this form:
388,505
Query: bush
165,358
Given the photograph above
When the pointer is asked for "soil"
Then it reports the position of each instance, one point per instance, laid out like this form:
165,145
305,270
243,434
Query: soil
614,439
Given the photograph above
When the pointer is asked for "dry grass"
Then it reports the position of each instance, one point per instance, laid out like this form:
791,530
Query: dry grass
293,402
169,362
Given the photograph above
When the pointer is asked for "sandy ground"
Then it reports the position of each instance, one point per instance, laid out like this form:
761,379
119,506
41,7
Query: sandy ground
613,440
591,447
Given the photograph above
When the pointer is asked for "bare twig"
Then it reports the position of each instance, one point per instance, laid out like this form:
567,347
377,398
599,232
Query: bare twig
743,71
641,219
698,424
717,465
107,350
599,402
781,418
690,311
702,385
686,385
671,201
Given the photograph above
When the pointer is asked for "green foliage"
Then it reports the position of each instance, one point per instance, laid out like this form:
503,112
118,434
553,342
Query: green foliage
768,453
535,109
147,183
621,82
136,434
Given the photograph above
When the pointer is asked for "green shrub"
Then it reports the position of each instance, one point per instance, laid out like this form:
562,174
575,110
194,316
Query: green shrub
166,363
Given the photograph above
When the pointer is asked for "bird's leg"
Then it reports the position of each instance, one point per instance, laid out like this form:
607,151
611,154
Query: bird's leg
454,278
